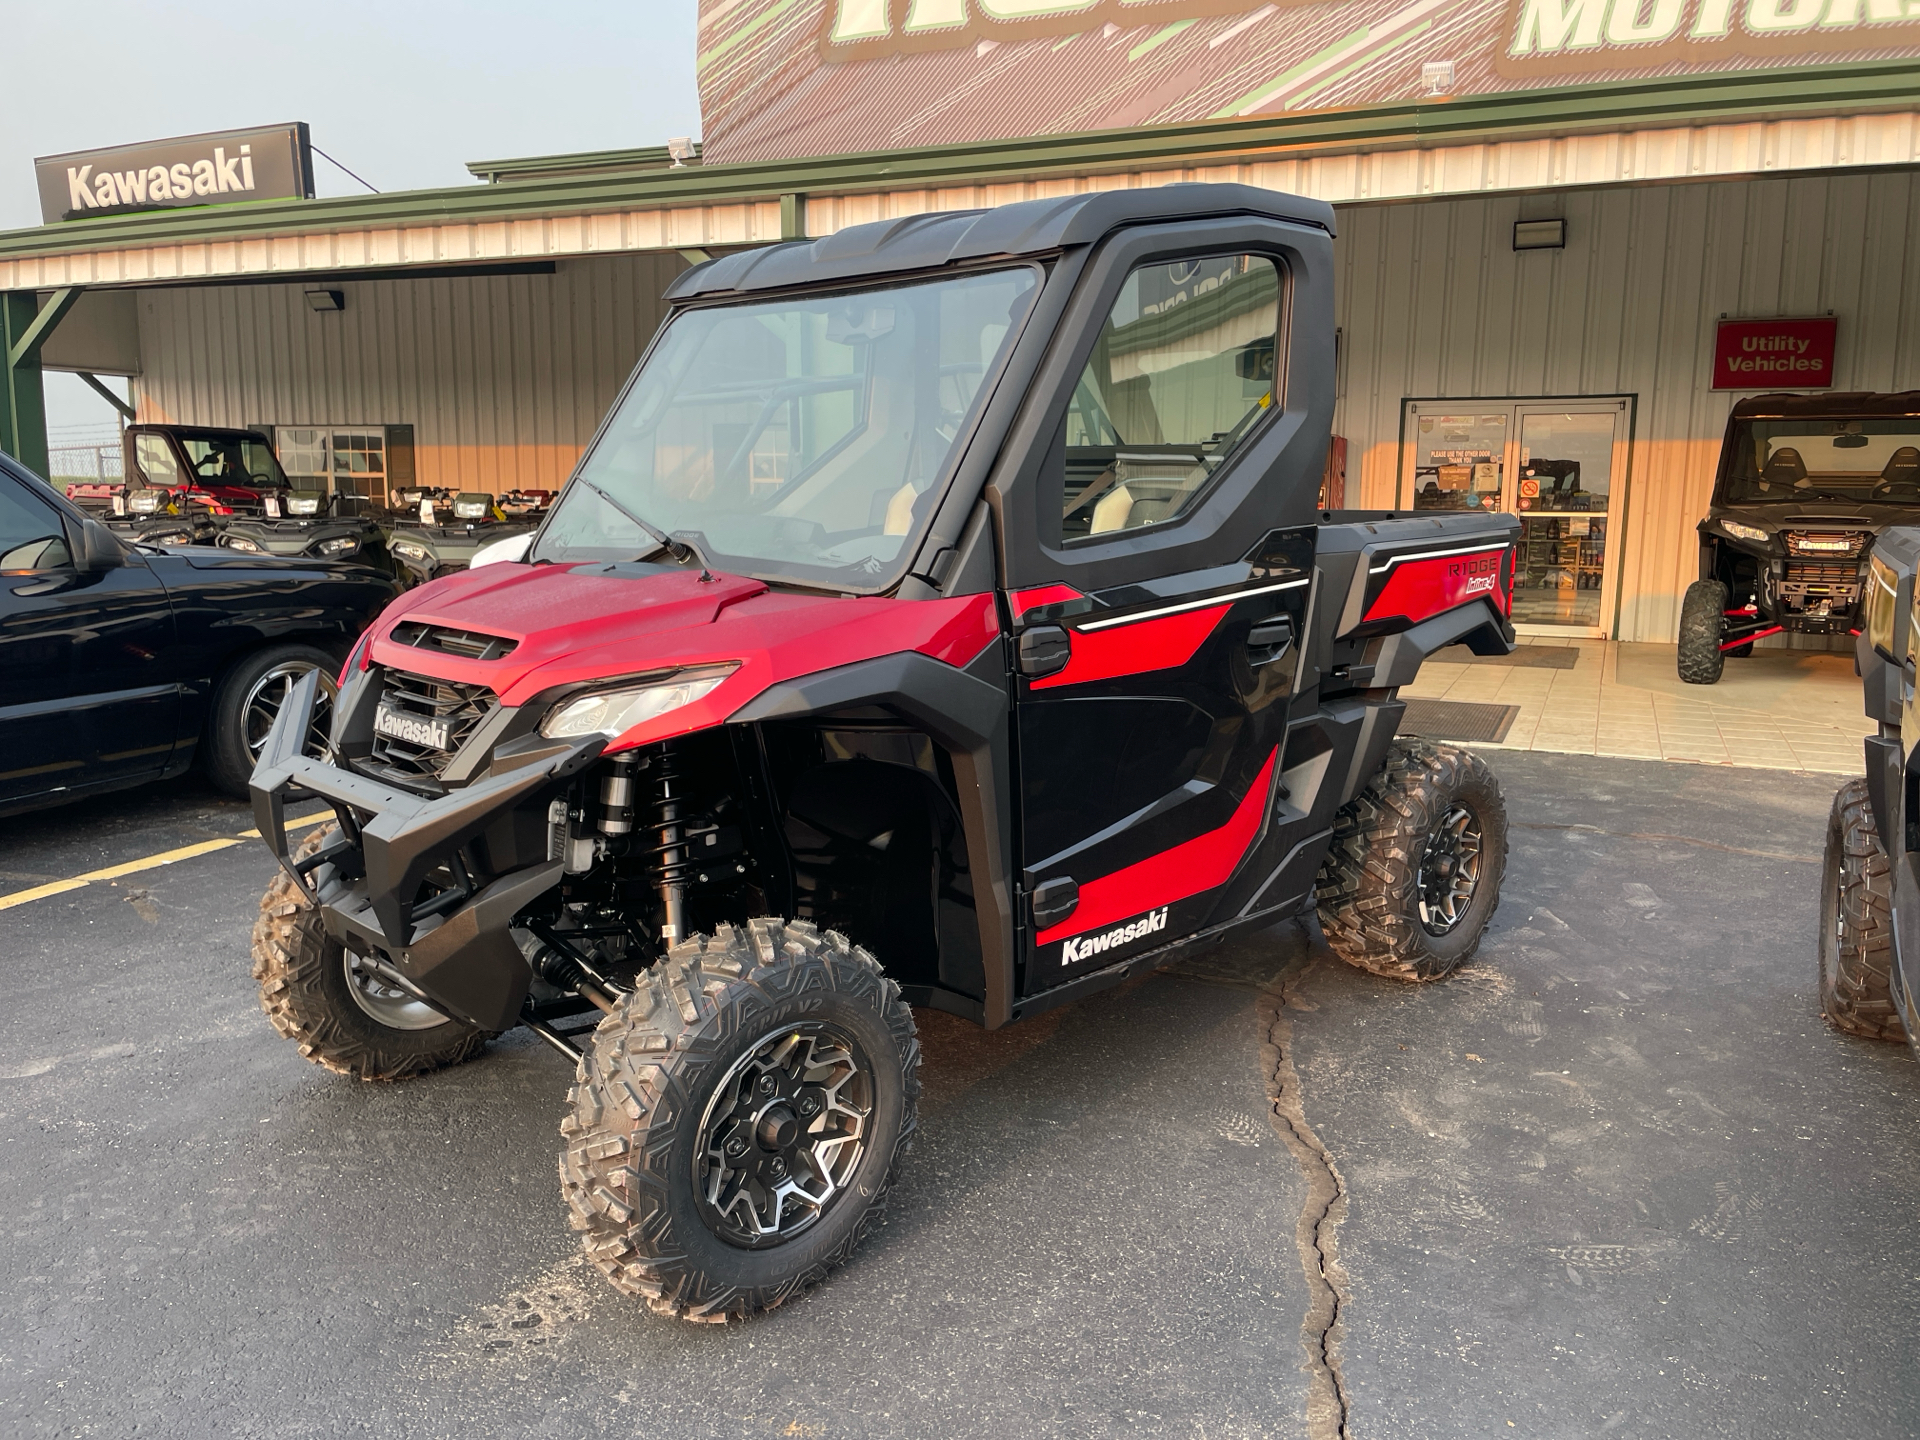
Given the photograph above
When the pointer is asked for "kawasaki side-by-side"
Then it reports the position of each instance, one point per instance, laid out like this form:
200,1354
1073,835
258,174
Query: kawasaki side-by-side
940,618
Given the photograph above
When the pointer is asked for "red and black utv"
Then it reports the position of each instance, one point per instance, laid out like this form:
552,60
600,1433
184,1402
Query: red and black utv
940,618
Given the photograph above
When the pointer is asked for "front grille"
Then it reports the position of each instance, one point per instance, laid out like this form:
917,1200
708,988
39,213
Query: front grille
469,644
466,706
1834,545
1825,587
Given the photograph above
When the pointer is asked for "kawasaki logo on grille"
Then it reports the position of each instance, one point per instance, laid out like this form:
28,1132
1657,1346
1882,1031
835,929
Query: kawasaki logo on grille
1083,947
435,733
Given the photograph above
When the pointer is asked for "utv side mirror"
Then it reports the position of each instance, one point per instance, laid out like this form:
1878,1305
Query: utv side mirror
99,548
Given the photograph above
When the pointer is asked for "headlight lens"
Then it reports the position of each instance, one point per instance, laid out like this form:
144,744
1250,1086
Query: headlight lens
339,545
465,509
614,712
145,502
170,537
407,550
1745,532
240,542
303,505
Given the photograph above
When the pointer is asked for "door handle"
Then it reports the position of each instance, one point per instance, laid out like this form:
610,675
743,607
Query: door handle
1270,639
1044,650
1054,901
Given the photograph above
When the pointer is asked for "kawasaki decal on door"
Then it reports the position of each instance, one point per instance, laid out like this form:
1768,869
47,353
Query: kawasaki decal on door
1086,946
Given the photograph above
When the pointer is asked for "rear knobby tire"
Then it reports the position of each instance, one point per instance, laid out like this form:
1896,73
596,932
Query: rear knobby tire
1370,889
645,1113
1856,922
1703,625
305,990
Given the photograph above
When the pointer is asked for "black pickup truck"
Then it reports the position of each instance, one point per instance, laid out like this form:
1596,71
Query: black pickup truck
122,663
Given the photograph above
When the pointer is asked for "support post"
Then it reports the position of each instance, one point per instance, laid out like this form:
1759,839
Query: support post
93,382
793,216
24,327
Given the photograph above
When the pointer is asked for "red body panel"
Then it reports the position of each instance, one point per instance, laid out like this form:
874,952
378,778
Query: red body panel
1195,865
1022,601
1158,644
578,627
1417,590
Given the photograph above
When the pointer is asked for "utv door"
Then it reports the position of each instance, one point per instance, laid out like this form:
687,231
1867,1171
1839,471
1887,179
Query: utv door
1162,598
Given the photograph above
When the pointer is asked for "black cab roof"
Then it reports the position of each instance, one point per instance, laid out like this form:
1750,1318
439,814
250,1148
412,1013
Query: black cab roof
1028,227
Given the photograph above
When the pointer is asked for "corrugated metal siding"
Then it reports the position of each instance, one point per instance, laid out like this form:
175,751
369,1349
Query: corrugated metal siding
1434,302
504,378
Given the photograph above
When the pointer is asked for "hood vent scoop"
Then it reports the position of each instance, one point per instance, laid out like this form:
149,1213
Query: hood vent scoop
467,644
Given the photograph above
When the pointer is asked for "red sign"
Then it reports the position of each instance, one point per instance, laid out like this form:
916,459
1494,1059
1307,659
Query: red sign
1774,354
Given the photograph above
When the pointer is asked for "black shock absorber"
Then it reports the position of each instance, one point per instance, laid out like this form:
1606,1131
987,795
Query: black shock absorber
669,852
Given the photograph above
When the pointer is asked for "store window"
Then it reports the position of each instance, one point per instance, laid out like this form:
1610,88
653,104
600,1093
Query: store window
359,463
1182,370
303,455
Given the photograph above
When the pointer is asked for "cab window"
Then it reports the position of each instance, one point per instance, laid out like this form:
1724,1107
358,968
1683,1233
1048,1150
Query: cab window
156,461
1182,371
31,536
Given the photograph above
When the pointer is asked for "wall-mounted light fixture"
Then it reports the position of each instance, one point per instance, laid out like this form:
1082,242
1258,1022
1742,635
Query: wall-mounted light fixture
1436,77
681,149
329,299
1539,234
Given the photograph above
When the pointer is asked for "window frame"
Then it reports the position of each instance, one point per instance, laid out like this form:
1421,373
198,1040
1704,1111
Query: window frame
1054,519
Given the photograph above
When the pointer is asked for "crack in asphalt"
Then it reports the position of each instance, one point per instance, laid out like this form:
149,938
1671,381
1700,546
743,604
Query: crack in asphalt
1322,1329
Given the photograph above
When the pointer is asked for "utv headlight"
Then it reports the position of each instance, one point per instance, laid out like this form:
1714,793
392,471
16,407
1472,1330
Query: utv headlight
303,505
145,502
614,712
407,550
170,537
1745,532
472,507
240,542
339,545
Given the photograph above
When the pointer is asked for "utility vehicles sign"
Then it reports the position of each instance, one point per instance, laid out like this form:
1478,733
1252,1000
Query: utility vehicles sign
271,163
1774,354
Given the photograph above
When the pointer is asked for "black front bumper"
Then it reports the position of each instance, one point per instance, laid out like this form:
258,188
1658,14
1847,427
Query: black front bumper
457,948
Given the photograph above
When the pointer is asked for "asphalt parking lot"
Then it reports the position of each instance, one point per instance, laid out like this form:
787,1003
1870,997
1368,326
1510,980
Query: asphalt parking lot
1616,1179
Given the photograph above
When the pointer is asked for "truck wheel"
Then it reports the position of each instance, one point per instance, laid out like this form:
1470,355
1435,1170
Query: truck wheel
1703,624
319,996
1413,873
248,701
738,1120
1856,922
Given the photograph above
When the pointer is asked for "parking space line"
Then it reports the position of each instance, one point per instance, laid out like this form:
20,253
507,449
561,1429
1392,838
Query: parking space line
150,862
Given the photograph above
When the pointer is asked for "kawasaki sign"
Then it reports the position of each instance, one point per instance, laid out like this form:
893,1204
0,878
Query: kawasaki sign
274,162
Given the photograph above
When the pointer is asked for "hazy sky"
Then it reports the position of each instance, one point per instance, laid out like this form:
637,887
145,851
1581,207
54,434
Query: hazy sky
402,92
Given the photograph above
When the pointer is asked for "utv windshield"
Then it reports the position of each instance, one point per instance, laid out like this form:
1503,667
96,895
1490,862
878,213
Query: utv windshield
803,438
232,460
1780,461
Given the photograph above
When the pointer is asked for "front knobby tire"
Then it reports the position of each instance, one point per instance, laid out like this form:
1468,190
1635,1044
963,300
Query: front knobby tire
1856,922
736,1124
1412,876
1703,625
339,1015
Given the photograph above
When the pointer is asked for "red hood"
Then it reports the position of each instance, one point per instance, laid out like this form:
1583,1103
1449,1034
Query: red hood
579,624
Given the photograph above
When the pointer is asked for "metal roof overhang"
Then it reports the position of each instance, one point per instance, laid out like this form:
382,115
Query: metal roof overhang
573,210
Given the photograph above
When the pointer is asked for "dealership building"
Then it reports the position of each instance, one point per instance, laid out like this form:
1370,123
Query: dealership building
1548,215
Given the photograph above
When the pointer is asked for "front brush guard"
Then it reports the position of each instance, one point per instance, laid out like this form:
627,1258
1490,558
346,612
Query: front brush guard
462,955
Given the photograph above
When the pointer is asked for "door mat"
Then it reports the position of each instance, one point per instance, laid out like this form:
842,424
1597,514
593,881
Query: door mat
1539,657
1457,720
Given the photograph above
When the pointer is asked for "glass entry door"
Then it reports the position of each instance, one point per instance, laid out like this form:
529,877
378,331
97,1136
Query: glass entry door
1557,464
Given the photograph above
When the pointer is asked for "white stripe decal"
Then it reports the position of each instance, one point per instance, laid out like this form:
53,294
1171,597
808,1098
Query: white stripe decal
1193,605
1437,555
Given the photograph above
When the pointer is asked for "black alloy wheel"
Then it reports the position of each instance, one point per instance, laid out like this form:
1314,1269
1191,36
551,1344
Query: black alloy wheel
1450,869
783,1134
